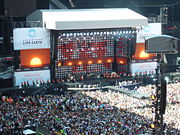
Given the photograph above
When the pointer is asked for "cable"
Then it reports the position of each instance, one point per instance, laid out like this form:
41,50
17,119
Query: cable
71,3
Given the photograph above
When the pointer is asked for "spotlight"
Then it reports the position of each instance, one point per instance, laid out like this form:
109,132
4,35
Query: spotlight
109,61
69,64
92,49
80,63
166,79
59,64
99,61
90,62
121,62
67,34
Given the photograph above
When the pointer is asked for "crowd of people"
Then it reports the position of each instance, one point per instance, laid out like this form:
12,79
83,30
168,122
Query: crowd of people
70,114
89,112
172,114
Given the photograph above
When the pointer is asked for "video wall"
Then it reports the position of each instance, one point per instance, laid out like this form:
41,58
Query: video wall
92,51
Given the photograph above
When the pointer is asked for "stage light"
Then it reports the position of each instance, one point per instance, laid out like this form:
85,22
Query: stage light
35,61
59,64
166,79
92,49
80,63
109,61
99,61
90,62
70,64
121,62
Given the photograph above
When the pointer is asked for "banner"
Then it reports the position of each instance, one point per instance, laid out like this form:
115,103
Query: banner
150,30
143,68
31,38
30,76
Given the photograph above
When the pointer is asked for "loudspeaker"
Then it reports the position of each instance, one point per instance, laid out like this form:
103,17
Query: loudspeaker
132,46
16,59
171,59
6,83
163,95
1,7
162,44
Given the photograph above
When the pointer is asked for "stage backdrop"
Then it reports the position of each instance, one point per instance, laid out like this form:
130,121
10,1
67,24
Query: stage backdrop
30,76
31,38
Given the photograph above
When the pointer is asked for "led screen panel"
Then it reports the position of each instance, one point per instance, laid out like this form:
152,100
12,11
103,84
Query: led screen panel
34,58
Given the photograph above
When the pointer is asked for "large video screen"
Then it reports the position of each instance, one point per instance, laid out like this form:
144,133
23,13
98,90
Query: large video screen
34,58
140,53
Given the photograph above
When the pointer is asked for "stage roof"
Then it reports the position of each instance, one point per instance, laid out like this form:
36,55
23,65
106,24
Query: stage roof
75,19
